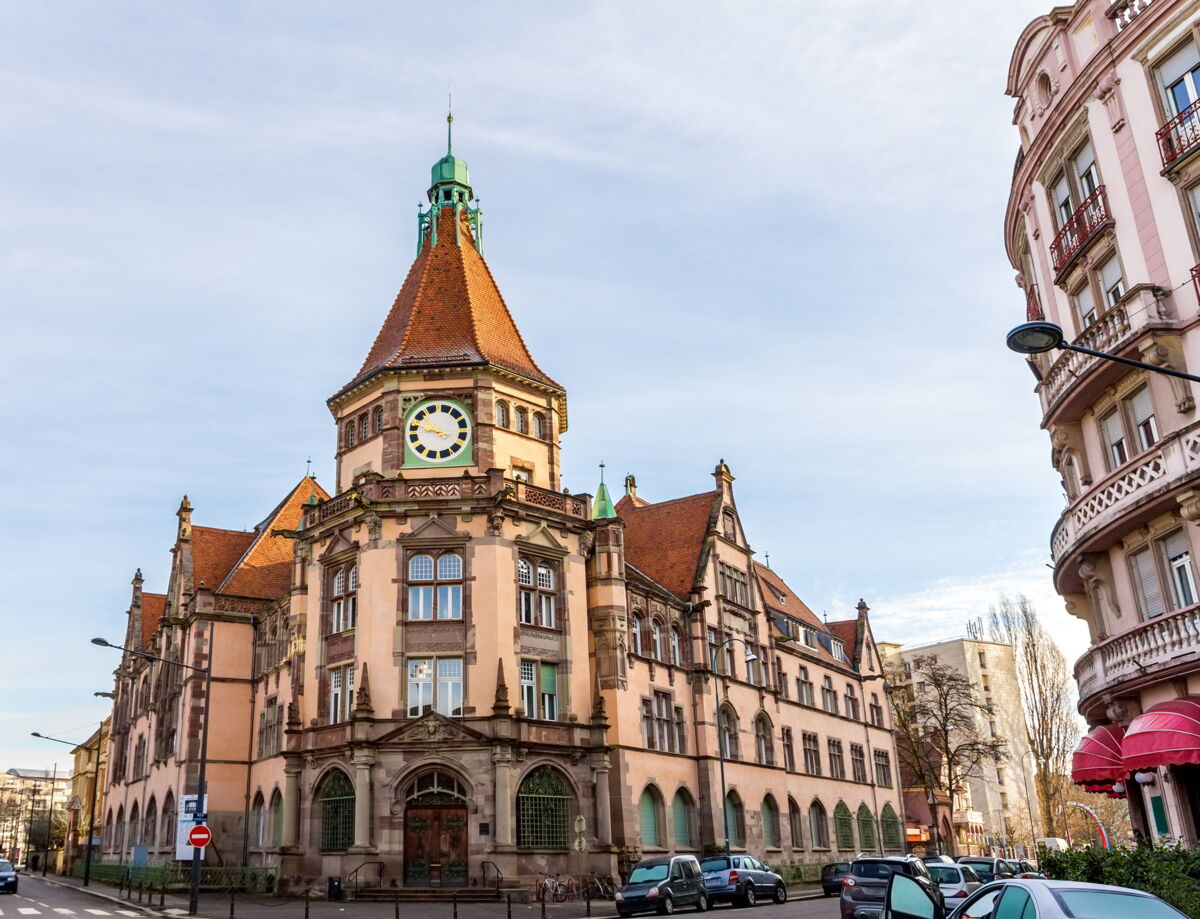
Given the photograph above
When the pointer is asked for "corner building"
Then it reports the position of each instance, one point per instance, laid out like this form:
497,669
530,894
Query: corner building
439,667
1103,229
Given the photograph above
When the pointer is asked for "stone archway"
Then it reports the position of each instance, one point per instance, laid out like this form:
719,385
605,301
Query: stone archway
435,831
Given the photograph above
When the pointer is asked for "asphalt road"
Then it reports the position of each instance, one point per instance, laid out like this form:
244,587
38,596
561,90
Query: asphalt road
52,899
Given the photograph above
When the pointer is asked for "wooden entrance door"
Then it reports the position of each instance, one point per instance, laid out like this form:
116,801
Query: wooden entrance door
435,845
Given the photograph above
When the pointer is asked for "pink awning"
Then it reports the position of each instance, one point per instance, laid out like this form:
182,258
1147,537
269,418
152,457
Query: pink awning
1098,761
1167,734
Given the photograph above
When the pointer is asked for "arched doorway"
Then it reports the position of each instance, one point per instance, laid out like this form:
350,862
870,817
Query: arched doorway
435,831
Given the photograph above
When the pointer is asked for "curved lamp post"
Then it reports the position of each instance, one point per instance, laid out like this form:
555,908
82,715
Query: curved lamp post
202,789
750,657
1037,337
87,858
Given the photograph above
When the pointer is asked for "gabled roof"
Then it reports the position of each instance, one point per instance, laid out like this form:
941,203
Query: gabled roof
264,570
153,606
791,605
847,631
450,312
665,539
214,553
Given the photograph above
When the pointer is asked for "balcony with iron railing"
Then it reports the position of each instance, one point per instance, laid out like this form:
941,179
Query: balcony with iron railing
1164,643
1033,304
1170,463
1179,137
1089,218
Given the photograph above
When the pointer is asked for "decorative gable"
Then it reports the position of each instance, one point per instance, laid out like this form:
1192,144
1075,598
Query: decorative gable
435,730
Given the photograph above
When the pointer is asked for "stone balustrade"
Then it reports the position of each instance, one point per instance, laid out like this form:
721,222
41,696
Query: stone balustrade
1166,640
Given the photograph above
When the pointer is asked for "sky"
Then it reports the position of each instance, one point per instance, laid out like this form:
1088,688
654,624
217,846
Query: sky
764,232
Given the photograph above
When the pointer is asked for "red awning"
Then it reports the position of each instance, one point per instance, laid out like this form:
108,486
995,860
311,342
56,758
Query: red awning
1097,760
1167,734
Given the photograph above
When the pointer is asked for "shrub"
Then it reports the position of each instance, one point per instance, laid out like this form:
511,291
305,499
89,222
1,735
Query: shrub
1169,872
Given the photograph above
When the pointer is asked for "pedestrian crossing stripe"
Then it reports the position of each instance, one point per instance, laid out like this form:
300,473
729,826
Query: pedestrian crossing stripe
98,912
127,912
28,911
64,911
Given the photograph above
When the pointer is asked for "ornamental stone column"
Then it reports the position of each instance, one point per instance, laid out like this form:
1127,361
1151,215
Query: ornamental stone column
292,768
363,759
503,797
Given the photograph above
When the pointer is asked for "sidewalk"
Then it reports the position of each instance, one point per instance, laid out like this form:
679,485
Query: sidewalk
214,905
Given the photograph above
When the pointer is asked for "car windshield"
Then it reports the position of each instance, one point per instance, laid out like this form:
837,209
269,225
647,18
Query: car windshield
5,865
644,874
714,864
985,870
871,869
944,874
1112,904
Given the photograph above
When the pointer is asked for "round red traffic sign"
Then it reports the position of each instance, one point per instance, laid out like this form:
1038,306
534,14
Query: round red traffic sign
199,836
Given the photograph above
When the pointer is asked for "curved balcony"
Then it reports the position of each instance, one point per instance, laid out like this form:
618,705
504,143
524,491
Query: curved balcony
1171,462
1087,221
1179,138
1145,654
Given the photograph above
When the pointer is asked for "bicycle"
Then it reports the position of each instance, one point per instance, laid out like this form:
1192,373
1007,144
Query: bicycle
597,888
555,887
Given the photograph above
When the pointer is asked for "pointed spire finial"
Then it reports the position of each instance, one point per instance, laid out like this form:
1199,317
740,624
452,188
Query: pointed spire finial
602,506
308,467
767,556
601,473
449,119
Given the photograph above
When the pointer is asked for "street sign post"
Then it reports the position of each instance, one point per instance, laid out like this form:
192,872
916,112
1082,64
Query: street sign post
199,836
186,818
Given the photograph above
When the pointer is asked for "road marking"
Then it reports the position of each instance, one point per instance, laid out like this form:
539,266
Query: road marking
127,912
98,912
28,911
64,911
175,911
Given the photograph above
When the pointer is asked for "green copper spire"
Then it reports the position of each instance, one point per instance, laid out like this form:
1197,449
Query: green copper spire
448,172
602,506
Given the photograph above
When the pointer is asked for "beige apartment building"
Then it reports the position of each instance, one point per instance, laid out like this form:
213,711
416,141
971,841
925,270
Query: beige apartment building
27,798
997,814
85,807
426,677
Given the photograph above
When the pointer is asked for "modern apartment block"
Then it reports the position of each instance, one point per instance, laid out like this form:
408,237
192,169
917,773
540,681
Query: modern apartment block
455,671
1103,229
992,816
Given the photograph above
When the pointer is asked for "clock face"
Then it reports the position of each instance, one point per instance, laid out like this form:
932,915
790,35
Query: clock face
438,431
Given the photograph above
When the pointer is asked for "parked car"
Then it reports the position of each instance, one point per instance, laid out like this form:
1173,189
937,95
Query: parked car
742,880
831,877
955,881
8,876
905,897
864,887
988,868
663,885
938,860
1024,869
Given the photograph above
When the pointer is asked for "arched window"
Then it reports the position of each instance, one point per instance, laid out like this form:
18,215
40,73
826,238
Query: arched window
343,600
676,647
656,648
364,427
119,830
431,597
258,827
135,826
150,824
866,827
770,823
106,838
543,810
795,823
539,426
522,421
377,416
889,826
735,819
843,826
538,594
764,744
682,809
167,834
275,815
348,435
502,414
650,817
818,825
434,787
635,634
335,808
729,733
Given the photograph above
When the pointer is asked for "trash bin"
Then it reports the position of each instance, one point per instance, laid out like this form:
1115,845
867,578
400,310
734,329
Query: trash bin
334,890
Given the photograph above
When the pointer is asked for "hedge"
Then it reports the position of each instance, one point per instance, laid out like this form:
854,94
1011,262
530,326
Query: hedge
1169,872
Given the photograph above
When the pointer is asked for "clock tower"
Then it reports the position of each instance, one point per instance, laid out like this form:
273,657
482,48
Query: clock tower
449,386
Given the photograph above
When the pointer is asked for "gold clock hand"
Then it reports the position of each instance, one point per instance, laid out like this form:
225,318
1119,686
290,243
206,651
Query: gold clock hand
438,431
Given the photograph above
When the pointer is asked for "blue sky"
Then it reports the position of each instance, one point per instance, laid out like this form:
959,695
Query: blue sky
764,231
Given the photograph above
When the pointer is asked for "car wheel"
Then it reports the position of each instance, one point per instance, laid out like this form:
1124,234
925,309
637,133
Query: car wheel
749,896
702,902
780,894
667,907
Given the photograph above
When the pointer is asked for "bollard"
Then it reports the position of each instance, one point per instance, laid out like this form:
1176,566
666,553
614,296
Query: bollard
544,899
162,893
232,896
306,892
397,903
454,901
588,894
508,897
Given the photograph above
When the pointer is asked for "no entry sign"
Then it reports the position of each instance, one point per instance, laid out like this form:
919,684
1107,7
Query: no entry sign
199,836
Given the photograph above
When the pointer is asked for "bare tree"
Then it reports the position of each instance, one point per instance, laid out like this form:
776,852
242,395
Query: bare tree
938,721
1047,689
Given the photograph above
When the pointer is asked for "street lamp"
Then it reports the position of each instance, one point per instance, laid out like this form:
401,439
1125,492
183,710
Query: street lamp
750,657
87,858
1036,337
201,815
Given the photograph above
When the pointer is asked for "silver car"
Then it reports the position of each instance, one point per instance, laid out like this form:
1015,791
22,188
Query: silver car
956,882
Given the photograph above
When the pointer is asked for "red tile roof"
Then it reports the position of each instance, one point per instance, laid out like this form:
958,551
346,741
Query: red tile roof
665,539
215,552
450,311
153,606
773,585
847,631
264,571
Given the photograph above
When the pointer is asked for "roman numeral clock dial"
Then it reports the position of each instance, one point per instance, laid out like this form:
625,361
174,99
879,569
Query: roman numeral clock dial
438,431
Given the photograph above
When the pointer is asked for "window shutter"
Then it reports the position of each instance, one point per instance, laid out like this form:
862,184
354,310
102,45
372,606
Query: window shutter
1141,406
1110,273
649,819
1084,160
1085,303
1179,63
1062,191
549,678
1175,545
1147,580
1113,432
